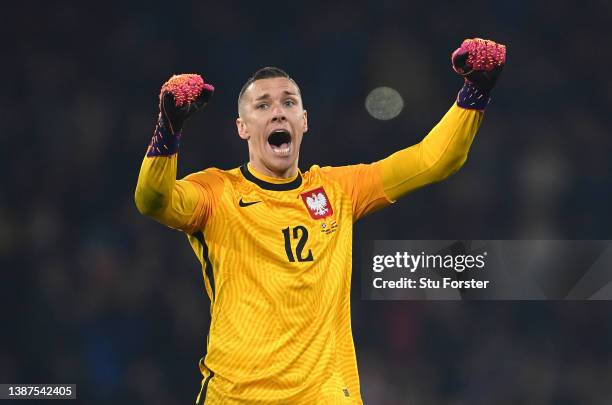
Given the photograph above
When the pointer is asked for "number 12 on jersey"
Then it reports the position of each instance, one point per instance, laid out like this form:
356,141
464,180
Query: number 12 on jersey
300,233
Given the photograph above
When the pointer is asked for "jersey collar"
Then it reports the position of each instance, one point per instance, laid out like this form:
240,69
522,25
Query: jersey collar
266,185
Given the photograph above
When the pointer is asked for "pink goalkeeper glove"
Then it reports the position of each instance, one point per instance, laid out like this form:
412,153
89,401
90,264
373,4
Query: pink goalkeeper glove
180,97
480,62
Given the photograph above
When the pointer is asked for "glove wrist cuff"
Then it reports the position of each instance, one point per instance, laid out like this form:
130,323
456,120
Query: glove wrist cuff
472,98
164,142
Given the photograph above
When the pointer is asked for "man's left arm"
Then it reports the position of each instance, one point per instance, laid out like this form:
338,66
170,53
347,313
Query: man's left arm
444,150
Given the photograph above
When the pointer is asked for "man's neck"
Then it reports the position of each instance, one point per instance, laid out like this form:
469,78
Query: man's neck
261,169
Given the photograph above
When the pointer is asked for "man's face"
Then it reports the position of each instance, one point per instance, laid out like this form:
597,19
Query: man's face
273,121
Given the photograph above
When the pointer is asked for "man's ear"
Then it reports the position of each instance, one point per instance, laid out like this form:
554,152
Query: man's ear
305,127
243,132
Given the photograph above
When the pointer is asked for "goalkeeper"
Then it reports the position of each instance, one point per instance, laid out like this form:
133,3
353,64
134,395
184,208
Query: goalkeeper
275,243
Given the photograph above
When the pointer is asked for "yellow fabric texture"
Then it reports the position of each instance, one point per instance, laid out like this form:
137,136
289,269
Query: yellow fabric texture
279,277
441,153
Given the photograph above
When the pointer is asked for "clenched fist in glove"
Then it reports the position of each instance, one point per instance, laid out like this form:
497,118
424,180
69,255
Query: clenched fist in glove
480,62
180,97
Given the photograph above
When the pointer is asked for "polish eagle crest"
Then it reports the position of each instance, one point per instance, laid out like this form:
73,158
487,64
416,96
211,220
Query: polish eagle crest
317,203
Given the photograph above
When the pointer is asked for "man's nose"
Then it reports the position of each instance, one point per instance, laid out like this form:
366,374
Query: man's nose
278,114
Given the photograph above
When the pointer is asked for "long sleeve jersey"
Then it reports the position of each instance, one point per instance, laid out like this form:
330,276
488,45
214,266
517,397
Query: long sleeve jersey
276,259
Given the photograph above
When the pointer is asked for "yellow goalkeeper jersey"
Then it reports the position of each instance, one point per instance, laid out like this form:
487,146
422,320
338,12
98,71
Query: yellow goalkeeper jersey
276,260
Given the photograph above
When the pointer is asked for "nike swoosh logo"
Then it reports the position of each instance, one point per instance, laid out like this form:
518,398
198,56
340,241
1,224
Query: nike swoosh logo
246,204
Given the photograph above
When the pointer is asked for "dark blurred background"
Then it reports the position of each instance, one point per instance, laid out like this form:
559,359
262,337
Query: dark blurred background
92,293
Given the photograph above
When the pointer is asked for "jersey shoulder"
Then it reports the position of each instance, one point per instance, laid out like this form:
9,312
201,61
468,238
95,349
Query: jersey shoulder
214,175
334,176
341,175
318,173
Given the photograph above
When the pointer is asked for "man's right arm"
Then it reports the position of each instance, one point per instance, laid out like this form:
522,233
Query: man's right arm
181,204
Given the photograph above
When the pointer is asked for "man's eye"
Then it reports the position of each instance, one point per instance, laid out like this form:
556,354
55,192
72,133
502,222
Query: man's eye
289,103
262,106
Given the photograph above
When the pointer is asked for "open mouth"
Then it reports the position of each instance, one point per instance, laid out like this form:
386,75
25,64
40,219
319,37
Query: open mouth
280,142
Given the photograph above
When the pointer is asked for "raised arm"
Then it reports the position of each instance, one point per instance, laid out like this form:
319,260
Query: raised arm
180,204
444,150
